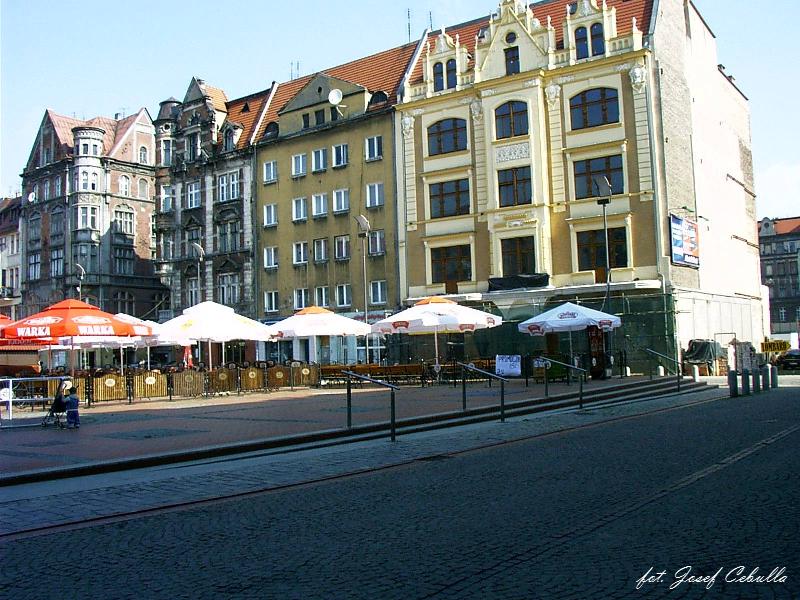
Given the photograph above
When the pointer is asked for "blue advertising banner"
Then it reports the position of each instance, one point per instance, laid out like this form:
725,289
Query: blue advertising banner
685,246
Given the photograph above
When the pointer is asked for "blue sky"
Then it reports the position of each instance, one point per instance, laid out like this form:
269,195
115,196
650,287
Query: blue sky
95,58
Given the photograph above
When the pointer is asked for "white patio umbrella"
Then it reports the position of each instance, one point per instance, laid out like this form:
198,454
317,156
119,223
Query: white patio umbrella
569,317
436,315
315,320
211,322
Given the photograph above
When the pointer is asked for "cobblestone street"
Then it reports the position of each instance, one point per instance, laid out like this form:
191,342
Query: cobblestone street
581,513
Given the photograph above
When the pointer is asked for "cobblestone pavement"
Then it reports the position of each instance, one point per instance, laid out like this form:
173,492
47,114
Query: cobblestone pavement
583,513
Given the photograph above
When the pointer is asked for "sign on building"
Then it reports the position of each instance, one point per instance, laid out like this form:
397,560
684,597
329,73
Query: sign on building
685,241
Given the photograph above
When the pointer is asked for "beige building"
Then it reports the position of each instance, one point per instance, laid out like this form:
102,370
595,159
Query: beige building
529,136
326,201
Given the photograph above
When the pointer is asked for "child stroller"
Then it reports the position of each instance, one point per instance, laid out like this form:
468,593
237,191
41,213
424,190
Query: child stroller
57,413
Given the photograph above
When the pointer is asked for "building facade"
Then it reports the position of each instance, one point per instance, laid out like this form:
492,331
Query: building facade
530,137
87,207
780,260
10,265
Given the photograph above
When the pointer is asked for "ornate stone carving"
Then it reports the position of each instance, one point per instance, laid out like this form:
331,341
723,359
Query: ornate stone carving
638,76
553,93
585,9
512,152
407,123
489,92
531,83
476,109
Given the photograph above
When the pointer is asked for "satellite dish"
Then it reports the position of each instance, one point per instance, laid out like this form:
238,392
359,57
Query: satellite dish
32,197
335,96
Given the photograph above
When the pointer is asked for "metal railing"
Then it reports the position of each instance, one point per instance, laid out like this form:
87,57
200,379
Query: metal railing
581,377
393,388
669,358
474,369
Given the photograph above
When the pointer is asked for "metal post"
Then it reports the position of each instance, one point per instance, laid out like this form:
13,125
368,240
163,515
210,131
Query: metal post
394,432
349,403
773,376
527,368
680,376
733,383
580,392
765,378
756,380
745,382
546,383
463,389
502,401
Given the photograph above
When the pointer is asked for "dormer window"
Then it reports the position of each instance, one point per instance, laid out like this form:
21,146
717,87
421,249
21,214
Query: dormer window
438,77
143,155
272,131
451,73
512,60
319,117
228,142
598,41
581,43
306,121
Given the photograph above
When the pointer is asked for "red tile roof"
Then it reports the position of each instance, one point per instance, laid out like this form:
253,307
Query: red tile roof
114,129
248,119
790,225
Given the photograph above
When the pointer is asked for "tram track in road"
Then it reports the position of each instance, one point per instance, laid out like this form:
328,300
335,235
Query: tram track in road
183,505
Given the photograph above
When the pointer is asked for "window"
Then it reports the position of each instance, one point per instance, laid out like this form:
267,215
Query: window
339,155
271,301
514,186
511,119
341,247
581,43
344,295
374,195
589,172
165,245
782,314
143,188
34,266
123,221
124,302
88,217
193,289
376,242
228,288
319,160
321,295
298,165
271,131
193,147
519,256
93,185
319,117
451,73
125,185
143,155
193,194
193,237
57,186
512,60
373,148
46,189
594,107
228,235
228,185
35,227
271,171
438,77
319,205
300,298
334,113
592,250
57,262
451,263
321,250
85,148
271,257
270,215
449,198
598,43
57,222
228,141
167,198
306,121
341,201
166,152
377,292
299,209
448,135
123,261
300,253
84,183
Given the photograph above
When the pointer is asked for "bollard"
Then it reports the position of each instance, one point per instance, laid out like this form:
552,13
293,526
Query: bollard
580,392
394,424
765,378
660,371
695,373
627,371
773,376
463,389
756,380
733,383
745,382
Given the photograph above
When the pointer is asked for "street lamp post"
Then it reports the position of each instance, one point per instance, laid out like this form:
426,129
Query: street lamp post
201,254
81,275
604,192
363,231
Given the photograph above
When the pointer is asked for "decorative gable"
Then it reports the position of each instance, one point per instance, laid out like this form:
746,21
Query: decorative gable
445,64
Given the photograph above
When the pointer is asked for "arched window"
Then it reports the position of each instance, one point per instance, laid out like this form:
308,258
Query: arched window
598,42
451,73
378,97
35,226
229,140
143,155
57,222
511,119
94,182
581,43
447,135
143,188
594,107
438,77
272,131
125,185
84,180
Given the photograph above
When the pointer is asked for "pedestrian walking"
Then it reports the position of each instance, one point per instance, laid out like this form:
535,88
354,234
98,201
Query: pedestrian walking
73,418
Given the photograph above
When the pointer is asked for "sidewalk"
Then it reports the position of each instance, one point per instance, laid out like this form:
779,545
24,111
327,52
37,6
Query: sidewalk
112,432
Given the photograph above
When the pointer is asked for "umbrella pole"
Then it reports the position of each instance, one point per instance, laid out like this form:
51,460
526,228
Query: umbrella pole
223,354
436,344
148,358
209,355
121,361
